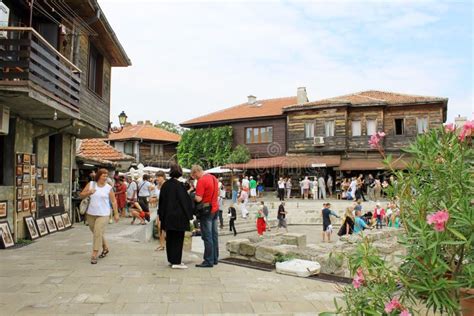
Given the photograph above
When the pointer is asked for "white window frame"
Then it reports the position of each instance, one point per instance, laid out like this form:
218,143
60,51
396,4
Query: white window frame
309,130
422,124
329,128
356,128
374,130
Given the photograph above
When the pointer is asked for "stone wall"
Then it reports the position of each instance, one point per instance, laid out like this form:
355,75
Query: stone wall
25,133
331,256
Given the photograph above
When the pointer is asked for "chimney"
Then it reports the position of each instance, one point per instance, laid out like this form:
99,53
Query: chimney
460,120
252,99
301,96
140,123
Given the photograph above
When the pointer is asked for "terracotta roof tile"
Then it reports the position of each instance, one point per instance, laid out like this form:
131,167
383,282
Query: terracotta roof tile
262,108
371,98
97,149
148,132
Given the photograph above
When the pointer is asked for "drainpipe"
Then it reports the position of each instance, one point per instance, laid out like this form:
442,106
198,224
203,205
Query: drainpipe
71,180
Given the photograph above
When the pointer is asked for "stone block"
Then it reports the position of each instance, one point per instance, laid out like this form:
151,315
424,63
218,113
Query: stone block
233,246
266,254
294,239
247,249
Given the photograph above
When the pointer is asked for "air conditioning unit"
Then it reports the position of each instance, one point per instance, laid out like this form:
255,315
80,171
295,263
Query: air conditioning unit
4,120
318,141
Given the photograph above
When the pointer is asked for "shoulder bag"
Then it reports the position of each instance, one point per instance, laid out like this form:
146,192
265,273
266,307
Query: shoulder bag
84,206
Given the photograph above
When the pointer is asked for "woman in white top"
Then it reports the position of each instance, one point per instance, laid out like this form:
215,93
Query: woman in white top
102,198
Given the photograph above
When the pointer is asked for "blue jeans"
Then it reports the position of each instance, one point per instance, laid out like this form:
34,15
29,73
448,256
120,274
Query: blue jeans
209,235
234,196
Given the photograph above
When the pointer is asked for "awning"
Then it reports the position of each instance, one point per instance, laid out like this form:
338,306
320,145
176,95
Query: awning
288,162
371,164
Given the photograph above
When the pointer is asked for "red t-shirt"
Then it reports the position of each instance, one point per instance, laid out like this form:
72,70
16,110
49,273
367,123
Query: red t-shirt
207,188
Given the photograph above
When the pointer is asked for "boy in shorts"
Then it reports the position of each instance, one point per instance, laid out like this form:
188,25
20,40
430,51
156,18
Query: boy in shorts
327,227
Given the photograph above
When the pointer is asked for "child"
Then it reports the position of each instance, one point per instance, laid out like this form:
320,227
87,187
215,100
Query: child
327,227
265,213
379,214
388,214
359,223
139,210
233,216
281,217
261,225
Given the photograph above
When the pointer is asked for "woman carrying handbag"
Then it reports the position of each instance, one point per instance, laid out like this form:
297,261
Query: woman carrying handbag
101,197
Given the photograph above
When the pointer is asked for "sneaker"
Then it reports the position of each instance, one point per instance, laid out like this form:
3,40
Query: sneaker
178,266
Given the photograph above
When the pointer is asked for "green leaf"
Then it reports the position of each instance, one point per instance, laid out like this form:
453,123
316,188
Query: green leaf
458,234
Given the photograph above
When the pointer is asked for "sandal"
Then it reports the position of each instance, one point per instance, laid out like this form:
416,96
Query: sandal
160,248
93,260
104,253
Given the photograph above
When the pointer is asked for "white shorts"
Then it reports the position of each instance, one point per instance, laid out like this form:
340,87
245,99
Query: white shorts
253,192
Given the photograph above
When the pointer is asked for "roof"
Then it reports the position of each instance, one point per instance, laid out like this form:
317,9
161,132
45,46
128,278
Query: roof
261,108
371,97
95,149
145,131
288,162
371,164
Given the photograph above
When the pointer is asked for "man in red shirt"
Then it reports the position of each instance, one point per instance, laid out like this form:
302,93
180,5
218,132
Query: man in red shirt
207,193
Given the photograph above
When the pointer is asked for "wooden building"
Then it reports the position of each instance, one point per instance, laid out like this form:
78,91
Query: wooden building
149,145
55,85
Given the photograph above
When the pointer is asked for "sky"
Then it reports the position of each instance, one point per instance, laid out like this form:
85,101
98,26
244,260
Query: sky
190,58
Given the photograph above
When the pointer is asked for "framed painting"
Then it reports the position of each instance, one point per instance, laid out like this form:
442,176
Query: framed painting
51,200
19,206
66,220
40,190
42,228
6,239
19,170
3,209
19,193
26,178
26,205
26,190
26,169
39,172
33,192
19,159
33,159
26,158
19,181
33,181
59,222
50,224
33,205
31,226
45,173
46,201
56,200
33,170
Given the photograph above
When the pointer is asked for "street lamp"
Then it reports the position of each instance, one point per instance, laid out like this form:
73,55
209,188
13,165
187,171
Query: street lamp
122,121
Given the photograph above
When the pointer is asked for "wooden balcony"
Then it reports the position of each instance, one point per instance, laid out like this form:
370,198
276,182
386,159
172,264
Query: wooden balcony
28,60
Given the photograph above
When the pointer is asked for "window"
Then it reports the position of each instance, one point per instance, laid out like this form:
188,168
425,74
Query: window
421,124
399,127
329,128
258,135
95,71
156,149
55,158
128,148
356,128
309,130
371,127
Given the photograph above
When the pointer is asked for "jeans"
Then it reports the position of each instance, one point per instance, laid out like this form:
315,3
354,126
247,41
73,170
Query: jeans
209,235
234,196
221,219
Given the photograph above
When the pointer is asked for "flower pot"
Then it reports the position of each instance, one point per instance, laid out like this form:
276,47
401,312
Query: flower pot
467,301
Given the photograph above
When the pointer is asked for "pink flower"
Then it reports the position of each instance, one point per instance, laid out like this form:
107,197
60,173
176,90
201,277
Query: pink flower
358,279
374,141
450,127
438,219
381,134
394,304
405,312
467,130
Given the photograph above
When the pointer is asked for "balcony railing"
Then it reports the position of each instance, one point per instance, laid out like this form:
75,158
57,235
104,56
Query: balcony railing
26,56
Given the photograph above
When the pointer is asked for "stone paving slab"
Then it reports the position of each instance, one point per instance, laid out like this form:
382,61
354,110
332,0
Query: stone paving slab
53,276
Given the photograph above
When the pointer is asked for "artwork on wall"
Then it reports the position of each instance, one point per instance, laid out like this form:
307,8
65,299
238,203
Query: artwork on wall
45,173
26,169
66,220
19,193
32,230
26,159
50,224
26,205
33,181
39,172
56,200
33,192
59,222
52,201
26,190
6,236
19,159
3,209
41,224
27,178
19,170
46,201
19,205
33,170
33,205
40,190
19,181
33,160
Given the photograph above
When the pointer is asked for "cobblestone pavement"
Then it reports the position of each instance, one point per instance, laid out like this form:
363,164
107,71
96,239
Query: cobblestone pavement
53,275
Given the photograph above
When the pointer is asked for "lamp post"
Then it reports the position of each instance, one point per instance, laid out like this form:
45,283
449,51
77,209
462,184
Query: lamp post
122,121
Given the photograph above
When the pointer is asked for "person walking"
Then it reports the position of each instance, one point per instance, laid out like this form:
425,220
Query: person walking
288,188
281,216
379,214
233,217
306,185
207,193
101,198
327,227
221,203
253,189
377,189
131,192
322,187
175,213
265,213
330,184
261,224
121,195
160,180
314,188
144,191
244,199
235,190
281,189
370,184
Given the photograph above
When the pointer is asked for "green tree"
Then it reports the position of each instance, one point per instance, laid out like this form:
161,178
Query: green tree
170,127
208,147
240,154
